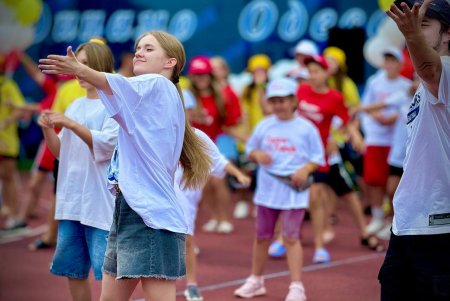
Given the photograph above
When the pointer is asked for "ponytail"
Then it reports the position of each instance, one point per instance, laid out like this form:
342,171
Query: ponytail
194,156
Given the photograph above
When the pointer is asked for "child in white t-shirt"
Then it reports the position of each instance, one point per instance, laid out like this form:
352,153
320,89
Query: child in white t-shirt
84,147
189,198
288,149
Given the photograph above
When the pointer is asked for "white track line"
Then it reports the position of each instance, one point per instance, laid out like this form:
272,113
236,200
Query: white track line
21,234
309,268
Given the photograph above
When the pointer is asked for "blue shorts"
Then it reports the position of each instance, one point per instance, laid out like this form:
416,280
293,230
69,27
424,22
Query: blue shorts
78,247
135,250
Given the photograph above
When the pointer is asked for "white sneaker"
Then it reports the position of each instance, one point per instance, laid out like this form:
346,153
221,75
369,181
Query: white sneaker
385,232
374,226
241,210
225,228
296,292
210,226
251,288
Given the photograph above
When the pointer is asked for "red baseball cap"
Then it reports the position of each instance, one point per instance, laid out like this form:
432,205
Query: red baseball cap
318,59
199,65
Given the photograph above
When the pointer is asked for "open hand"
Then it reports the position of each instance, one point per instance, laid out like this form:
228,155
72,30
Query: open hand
409,21
61,64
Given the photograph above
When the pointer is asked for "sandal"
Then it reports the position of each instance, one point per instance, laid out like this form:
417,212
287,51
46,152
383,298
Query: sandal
39,244
372,243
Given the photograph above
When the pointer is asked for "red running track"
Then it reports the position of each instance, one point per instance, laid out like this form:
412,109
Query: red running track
224,263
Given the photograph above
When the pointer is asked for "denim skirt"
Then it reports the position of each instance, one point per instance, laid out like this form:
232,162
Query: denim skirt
134,250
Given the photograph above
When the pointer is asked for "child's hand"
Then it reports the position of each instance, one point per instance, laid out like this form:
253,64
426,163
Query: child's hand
244,180
300,176
58,120
44,121
262,158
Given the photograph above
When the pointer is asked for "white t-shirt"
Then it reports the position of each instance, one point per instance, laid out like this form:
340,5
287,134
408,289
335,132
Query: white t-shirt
81,193
378,88
151,116
422,199
400,101
291,144
189,198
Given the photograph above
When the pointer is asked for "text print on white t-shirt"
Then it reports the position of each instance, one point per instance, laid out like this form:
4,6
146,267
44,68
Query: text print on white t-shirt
280,144
413,111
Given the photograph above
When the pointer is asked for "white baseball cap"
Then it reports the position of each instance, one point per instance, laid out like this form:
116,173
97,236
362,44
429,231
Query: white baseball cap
395,52
306,47
281,87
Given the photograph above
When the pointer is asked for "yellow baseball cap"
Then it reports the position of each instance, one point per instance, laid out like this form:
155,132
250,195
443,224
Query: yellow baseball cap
338,54
258,61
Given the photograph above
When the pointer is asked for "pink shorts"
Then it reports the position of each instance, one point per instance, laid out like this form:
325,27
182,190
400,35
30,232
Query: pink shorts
291,222
376,167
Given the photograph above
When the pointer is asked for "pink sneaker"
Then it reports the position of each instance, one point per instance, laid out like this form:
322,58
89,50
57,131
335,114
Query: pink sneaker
251,288
296,292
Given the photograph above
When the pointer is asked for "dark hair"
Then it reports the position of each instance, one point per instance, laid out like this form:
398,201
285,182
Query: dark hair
444,27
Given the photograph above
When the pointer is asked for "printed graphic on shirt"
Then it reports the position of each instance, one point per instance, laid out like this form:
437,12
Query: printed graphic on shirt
280,144
414,109
311,111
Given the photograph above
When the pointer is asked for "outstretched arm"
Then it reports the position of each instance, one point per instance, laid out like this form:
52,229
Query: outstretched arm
425,59
68,64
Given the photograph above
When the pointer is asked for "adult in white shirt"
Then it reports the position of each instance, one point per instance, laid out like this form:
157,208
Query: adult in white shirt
146,242
84,207
417,265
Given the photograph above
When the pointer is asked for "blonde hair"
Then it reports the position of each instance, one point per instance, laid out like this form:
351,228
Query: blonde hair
194,155
99,56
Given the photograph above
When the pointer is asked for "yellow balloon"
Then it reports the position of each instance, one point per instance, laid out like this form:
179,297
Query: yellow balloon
28,11
385,4
12,3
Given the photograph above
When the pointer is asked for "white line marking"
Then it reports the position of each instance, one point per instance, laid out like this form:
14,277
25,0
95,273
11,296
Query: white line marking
309,268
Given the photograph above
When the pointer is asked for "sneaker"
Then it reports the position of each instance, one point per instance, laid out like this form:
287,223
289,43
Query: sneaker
251,288
14,224
296,292
321,256
225,228
277,249
192,293
374,226
210,226
241,210
385,232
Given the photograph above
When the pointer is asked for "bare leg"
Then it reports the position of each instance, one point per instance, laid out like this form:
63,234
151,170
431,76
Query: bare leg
117,290
260,247
316,208
357,211
80,289
294,254
9,192
191,260
33,193
158,289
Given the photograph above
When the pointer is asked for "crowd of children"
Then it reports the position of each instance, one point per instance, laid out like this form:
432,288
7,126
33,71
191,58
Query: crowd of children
162,144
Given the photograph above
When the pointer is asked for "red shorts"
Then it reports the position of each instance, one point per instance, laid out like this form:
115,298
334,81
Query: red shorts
376,167
44,158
